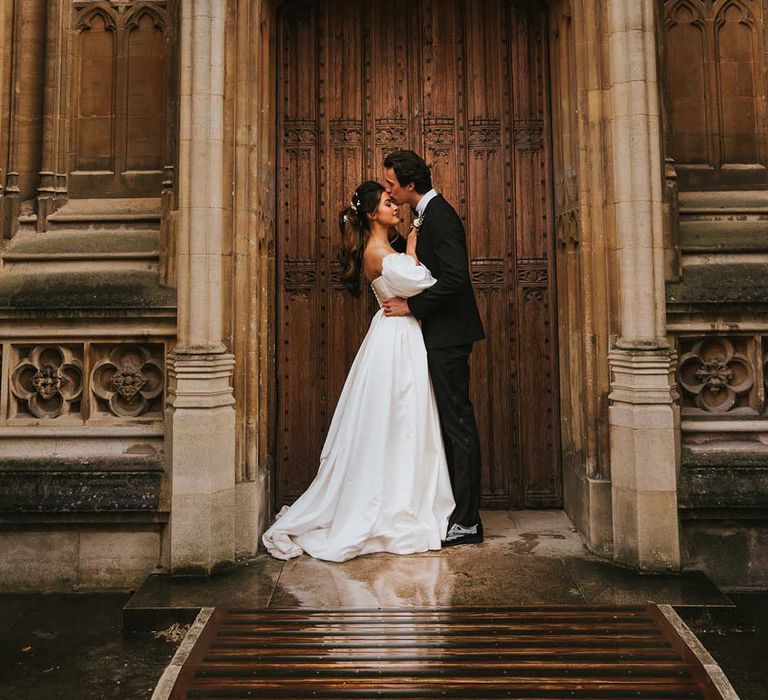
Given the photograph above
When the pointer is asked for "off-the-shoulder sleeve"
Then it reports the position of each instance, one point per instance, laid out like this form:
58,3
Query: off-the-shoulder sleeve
404,277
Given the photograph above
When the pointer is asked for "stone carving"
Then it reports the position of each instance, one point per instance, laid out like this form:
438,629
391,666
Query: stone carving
715,375
48,382
683,11
120,13
128,382
568,228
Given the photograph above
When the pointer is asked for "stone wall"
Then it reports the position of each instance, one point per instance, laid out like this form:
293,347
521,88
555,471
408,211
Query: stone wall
85,330
717,306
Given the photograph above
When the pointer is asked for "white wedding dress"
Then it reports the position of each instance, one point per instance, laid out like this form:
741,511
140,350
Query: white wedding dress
383,483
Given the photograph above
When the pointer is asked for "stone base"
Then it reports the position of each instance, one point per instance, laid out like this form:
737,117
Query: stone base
733,553
252,509
645,458
77,559
200,442
588,504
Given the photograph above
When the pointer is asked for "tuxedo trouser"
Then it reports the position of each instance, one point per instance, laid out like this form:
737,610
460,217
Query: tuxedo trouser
449,372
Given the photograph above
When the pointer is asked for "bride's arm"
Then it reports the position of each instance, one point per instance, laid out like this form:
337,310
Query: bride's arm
410,246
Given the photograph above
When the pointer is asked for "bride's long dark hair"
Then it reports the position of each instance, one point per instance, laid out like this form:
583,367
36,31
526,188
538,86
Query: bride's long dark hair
355,228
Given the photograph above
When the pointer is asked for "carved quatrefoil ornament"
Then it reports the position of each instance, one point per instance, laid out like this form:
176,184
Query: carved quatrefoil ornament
48,380
128,380
715,374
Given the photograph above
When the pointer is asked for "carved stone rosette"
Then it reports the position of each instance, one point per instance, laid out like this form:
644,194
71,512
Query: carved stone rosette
48,382
128,382
715,375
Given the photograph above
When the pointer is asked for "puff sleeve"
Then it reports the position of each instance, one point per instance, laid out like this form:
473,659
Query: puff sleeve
404,277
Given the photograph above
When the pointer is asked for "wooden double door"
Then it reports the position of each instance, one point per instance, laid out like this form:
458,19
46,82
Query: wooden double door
464,82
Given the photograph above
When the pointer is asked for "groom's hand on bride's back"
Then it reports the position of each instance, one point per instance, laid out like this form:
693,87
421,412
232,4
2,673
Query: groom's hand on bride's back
395,307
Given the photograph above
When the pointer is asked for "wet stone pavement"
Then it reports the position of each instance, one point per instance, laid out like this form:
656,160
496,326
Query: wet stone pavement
71,646
528,558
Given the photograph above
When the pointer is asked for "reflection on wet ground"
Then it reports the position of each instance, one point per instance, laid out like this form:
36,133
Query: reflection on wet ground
528,558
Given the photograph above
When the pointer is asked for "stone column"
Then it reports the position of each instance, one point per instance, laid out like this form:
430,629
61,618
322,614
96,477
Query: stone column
23,67
250,91
51,190
201,429
644,420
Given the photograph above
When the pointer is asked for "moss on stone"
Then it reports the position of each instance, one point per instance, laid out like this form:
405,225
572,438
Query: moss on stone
83,290
740,454
744,283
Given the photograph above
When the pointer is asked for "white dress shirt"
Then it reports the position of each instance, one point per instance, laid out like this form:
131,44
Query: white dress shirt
426,199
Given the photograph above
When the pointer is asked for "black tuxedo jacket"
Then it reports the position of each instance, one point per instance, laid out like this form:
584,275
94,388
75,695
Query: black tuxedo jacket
447,310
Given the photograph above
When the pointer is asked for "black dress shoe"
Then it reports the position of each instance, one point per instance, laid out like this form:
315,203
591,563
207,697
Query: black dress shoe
458,534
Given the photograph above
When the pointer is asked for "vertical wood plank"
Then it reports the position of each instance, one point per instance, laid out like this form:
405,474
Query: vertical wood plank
298,296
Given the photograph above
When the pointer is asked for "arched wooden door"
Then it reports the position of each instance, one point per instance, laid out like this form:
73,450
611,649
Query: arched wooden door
465,83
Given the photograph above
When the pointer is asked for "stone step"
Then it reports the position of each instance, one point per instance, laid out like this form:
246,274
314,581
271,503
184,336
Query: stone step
90,249
752,203
723,236
105,213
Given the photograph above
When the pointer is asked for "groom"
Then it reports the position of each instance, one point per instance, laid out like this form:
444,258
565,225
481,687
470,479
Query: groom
450,323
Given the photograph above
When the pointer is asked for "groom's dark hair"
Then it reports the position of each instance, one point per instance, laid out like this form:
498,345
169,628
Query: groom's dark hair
410,168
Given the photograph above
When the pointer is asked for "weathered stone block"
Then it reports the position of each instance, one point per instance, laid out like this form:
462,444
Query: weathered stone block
717,283
56,485
38,561
116,559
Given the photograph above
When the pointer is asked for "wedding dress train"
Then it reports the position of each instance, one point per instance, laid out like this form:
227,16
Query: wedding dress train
383,483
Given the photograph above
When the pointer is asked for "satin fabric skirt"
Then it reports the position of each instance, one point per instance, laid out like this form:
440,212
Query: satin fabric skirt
383,483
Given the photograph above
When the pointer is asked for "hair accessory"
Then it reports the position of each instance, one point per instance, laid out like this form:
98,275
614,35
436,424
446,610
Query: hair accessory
345,217
352,205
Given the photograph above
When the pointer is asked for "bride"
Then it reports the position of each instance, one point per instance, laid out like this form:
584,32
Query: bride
383,483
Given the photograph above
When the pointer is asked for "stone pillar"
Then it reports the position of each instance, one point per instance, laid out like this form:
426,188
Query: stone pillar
250,92
51,190
201,420
23,74
644,420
